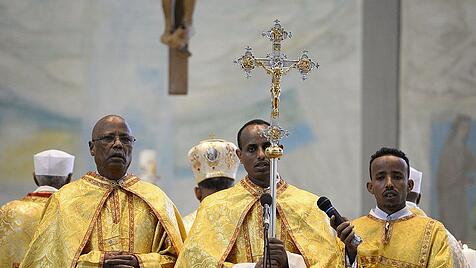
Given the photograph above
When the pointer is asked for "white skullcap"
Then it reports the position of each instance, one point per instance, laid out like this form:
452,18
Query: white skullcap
416,177
53,163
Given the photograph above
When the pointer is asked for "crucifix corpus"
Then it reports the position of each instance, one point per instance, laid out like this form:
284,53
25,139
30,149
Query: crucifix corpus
276,65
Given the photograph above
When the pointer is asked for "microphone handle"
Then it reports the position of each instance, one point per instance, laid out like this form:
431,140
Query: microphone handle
266,220
337,217
338,220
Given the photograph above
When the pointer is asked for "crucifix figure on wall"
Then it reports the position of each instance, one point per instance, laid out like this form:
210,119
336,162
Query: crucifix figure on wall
178,22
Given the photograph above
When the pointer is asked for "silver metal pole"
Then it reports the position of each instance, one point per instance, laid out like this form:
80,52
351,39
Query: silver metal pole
273,185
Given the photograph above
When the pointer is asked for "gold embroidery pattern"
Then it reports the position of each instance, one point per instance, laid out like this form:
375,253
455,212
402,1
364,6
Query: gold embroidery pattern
387,232
230,156
130,180
288,229
258,191
131,221
161,221
99,231
246,234
235,234
115,210
195,160
394,221
90,229
90,177
425,248
369,260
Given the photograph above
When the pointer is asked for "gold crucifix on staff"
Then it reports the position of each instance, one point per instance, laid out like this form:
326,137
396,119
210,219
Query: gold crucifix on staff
276,65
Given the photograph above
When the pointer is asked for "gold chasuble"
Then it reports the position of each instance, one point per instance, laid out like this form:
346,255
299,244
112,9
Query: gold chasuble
18,222
94,215
188,220
411,241
228,229
459,260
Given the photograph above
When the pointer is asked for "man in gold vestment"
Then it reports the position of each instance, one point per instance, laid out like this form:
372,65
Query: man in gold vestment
108,218
19,218
214,165
228,229
392,235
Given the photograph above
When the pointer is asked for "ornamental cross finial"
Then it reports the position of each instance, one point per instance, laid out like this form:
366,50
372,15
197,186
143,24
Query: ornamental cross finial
276,65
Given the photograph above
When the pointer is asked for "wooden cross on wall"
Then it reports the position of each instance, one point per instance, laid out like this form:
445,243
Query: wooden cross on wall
178,20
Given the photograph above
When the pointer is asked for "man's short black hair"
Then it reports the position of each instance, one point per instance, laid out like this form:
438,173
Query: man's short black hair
389,151
252,122
218,183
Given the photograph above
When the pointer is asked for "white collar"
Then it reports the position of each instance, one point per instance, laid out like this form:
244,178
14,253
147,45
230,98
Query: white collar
46,188
411,205
380,214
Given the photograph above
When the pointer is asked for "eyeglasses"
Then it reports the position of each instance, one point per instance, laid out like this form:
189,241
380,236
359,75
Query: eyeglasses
124,139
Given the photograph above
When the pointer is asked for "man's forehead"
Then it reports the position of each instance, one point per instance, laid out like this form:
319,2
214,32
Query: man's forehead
388,162
252,134
112,125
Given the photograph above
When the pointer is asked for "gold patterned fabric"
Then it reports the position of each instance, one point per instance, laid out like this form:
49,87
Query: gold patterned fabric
459,260
94,215
188,220
411,241
18,222
228,228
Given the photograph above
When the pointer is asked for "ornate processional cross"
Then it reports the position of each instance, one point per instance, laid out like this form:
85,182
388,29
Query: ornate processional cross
276,65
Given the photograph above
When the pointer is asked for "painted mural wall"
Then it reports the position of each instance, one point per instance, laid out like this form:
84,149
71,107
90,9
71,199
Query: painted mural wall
438,108
64,64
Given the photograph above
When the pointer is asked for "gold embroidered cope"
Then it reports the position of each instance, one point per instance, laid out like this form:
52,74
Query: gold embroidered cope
188,220
459,261
411,241
228,228
94,215
18,222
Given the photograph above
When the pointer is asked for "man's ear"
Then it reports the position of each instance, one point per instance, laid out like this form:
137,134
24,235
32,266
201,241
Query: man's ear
411,183
34,178
91,148
370,187
238,153
198,193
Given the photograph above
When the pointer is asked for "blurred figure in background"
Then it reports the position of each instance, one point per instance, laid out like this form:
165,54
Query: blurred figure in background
19,218
214,164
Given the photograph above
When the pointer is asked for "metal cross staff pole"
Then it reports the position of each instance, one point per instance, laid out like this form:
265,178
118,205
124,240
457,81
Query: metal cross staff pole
276,65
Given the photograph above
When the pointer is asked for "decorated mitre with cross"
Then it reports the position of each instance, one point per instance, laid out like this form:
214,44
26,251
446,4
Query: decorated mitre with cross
213,158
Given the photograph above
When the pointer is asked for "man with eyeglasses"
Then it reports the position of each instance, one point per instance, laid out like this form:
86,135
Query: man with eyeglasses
108,218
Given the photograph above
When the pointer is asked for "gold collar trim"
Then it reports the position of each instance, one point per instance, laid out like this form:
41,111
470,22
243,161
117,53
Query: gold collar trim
103,182
258,191
391,221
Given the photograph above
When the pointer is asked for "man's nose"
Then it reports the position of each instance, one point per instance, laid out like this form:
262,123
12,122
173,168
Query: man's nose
388,182
261,153
117,142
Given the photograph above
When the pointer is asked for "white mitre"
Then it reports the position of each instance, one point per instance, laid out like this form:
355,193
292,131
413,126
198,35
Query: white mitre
53,163
416,177
213,158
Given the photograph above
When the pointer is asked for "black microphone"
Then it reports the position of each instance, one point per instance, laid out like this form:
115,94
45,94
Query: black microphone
266,200
325,205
